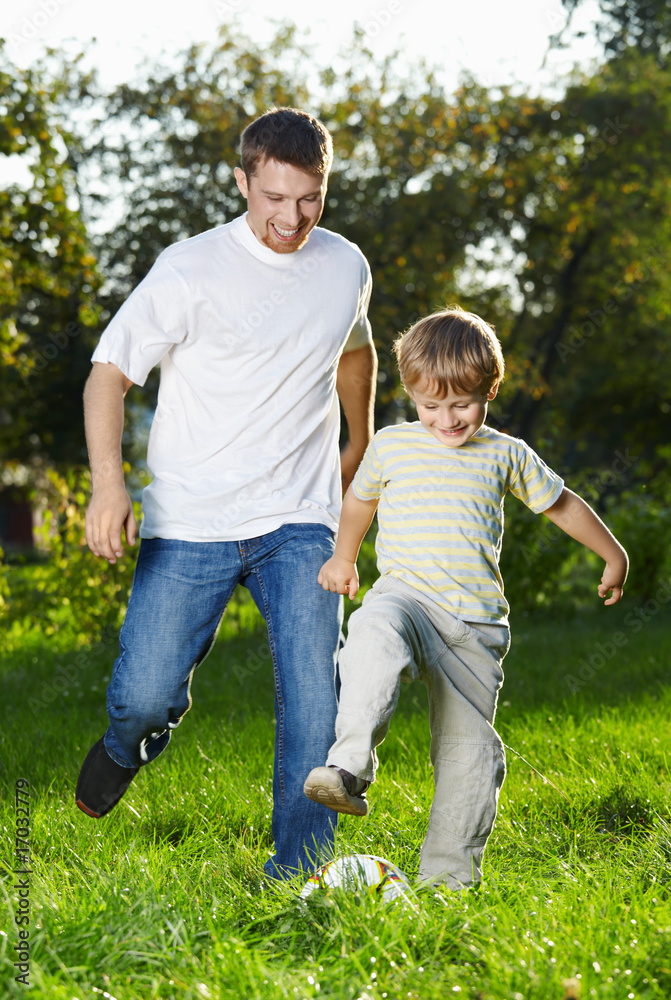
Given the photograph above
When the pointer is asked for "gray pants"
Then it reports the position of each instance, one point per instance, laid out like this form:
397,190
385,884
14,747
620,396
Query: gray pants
399,633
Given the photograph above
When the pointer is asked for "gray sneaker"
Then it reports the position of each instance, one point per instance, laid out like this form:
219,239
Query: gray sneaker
338,789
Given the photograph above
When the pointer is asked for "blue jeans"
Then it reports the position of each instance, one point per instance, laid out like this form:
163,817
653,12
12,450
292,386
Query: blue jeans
179,594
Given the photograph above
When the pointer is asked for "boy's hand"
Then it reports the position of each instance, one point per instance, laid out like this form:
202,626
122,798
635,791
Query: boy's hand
339,576
577,519
613,579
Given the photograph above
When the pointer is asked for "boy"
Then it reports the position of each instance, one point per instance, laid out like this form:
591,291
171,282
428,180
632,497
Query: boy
438,611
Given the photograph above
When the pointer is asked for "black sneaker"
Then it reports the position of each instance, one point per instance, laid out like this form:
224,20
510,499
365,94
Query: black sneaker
102,782
338,789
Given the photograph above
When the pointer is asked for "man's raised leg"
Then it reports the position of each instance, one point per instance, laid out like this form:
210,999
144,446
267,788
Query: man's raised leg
179,593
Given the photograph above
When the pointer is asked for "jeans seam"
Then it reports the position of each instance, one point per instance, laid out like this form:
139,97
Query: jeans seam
115,758
278,688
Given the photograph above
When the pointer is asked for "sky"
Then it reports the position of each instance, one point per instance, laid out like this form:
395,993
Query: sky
498,42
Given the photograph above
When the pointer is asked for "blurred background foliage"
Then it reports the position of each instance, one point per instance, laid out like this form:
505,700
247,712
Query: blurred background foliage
548,215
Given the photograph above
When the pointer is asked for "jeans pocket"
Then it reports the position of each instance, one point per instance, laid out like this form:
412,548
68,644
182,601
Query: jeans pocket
461,634
382,585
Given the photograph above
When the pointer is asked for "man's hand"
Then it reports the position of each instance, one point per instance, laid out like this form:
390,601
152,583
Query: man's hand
614,576
339,576
110,510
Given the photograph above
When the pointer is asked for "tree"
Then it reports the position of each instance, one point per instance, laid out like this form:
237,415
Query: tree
549,216
172,145
641,24
580,198
48,276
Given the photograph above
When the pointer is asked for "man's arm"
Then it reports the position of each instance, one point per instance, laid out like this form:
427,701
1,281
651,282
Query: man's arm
577,519
339,573
110,507
355,383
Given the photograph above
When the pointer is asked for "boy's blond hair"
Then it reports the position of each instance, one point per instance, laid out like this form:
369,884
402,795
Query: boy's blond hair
452,349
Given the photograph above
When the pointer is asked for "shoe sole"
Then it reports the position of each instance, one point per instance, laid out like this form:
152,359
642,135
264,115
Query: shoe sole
85,809
325,786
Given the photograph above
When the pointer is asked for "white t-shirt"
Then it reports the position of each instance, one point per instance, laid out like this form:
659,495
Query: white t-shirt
245,433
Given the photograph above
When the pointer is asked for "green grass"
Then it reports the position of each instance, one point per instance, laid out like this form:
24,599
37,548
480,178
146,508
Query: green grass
165,897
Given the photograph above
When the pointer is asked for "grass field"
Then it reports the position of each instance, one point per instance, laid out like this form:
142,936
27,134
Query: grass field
164,898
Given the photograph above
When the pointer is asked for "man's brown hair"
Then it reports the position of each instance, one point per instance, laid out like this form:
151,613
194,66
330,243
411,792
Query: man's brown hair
288,136
452,349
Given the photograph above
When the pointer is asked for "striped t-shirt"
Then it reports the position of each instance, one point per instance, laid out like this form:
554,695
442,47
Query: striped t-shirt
440,514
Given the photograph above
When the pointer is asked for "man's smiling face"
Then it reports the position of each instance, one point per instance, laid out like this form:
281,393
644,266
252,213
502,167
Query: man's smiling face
284,204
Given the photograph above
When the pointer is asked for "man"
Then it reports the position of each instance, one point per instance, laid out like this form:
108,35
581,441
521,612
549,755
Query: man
256,325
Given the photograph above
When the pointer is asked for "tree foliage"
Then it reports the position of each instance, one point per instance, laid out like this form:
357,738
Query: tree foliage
547,215
48,276
578,190
624,24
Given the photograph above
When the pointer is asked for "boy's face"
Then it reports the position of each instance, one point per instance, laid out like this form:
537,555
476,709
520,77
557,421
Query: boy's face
454,419
284,204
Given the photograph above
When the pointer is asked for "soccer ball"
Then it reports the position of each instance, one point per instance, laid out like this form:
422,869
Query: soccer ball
357,872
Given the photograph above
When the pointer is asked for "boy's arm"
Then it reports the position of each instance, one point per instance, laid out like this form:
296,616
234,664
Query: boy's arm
339,573
577,519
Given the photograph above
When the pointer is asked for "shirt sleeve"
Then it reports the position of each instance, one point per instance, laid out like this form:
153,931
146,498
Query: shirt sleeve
368,482
533,482
361,333
153,319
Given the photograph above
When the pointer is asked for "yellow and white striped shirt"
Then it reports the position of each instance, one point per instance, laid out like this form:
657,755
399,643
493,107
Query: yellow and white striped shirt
441,511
